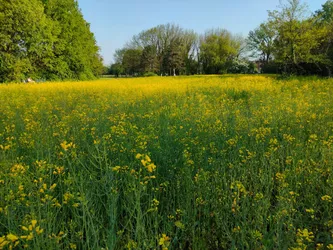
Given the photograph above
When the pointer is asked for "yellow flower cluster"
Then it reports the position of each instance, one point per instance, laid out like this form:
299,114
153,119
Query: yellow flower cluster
12,240
164,242
65,145
146,162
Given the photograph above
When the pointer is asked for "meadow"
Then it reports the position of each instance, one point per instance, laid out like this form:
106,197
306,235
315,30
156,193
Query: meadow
202,162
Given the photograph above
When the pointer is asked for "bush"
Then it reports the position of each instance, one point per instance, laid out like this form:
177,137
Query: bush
270,68
149,74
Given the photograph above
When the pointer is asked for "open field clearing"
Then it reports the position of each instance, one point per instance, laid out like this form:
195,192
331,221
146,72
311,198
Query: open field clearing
210,162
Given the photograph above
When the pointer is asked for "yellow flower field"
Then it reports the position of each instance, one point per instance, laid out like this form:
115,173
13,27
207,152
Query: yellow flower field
202,162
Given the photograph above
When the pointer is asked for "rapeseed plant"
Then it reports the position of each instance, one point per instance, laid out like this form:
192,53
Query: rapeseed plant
202,162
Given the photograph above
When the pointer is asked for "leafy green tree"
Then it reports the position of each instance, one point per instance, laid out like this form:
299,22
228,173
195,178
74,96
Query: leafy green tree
149,59
218,49
188,51
116,69
325,20
25,39
46,39
298,37
261,42
165,49
326,13
148,42
75,50
118,55
129,60
173,60
132,61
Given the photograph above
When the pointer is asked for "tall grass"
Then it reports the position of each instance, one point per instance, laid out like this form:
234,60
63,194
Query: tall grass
167,163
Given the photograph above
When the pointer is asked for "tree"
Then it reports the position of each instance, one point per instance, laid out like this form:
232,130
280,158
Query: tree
298,38
325,20
218,49
149,60
164,49
170,51
129,59
148,42
188,51
76,54
46,39
25,39
173,59
132,61
261,42
116,69
326,13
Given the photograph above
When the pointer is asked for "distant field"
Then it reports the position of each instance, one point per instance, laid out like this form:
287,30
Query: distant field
242,162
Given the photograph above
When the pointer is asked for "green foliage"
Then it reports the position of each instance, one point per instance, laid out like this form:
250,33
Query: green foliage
149,61
23,28
270,68
299,43
46,39
165,49
75,45
149,74
131,61
261,42
116,69
218,49
325,20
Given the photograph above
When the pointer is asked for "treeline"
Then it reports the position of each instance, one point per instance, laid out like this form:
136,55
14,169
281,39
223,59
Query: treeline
46,39
171,50
291,41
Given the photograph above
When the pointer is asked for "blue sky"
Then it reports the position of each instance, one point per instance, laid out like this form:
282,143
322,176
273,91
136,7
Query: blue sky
114,22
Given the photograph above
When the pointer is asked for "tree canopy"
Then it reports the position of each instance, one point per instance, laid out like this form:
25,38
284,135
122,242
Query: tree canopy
46,39
298,42
171,50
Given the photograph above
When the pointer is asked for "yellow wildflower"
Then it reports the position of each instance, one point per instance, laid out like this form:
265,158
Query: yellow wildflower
3,242
164,241
326,198
151,167
138,156
39,230
116,169
33,223
12,237
236,229
72,246
28,237
65,146
53,186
